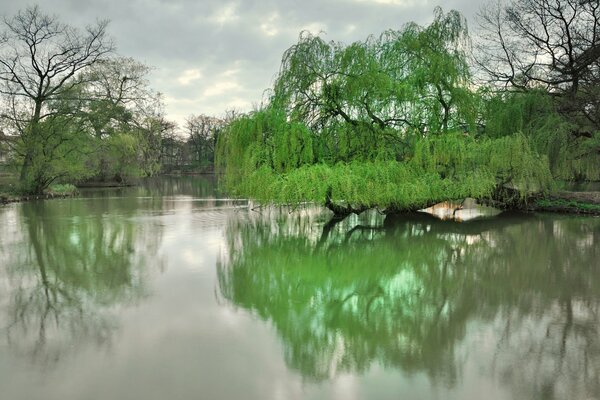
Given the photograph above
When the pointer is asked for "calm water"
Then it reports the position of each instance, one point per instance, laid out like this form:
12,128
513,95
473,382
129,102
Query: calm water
580,186
164,292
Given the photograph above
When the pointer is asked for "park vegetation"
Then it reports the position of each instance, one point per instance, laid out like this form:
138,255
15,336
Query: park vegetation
423,114
71,108
398,121
72,111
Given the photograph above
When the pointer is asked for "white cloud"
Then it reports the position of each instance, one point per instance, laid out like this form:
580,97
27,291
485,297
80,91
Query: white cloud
211,55
188,76
221,87
269,27
225,83
314,27
401,3
232,72
239,103
225,14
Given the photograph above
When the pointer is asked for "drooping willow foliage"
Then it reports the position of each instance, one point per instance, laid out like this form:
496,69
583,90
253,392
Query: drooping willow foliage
441,168
571,153
409,81
389,122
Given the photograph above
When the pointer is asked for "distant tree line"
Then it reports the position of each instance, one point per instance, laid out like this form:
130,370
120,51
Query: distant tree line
72,110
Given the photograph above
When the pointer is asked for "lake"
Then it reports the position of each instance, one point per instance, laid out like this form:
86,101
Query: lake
170,290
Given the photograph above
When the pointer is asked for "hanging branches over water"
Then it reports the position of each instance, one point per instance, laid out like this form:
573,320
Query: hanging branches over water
389,122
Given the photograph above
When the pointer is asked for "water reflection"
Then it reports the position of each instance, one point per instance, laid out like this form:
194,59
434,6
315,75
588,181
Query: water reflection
411,292
198,186
466,210
202,187
68,265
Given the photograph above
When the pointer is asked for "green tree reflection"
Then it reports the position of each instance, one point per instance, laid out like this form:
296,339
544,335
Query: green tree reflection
203,186
402,292
69,265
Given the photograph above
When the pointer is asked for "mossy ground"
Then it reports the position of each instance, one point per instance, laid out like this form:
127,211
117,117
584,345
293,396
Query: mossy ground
10,193
560,205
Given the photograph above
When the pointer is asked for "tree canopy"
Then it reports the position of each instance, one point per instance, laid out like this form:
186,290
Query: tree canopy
548,52
391,122
409,81
72,108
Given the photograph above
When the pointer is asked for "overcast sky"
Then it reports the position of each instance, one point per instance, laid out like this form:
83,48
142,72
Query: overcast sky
213,55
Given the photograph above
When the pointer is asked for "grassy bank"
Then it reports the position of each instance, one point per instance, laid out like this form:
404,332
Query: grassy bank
9,193
566,206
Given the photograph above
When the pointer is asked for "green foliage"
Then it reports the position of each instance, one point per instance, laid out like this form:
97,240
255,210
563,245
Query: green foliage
390,122
264,139
451,166
536,115
63,188
508,160
584,160
106,118
341,117
63,149
74,112
549,204
374,93
57,150
121,155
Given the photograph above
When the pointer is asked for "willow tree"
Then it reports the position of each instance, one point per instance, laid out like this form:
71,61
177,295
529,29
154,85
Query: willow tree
382,123
263,140
413,80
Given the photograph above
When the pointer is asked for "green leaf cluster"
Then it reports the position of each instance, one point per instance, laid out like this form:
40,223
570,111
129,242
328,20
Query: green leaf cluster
398,121
443,167
572,154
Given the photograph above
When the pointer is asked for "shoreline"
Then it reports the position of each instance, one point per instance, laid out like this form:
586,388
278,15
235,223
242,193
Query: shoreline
563,202
100,185
6,199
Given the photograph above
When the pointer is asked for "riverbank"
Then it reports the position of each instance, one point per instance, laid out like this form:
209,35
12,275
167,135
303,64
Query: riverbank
7,199
110,184
59,191
569,203
561,202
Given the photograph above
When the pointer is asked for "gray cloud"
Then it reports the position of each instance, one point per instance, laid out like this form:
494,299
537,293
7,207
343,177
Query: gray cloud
210,55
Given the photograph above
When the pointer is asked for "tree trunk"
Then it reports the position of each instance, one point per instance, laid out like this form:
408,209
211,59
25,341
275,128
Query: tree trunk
30,139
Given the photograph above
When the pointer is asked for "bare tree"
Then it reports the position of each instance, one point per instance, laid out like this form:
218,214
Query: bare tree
548,44
42,59
118,92
203,131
